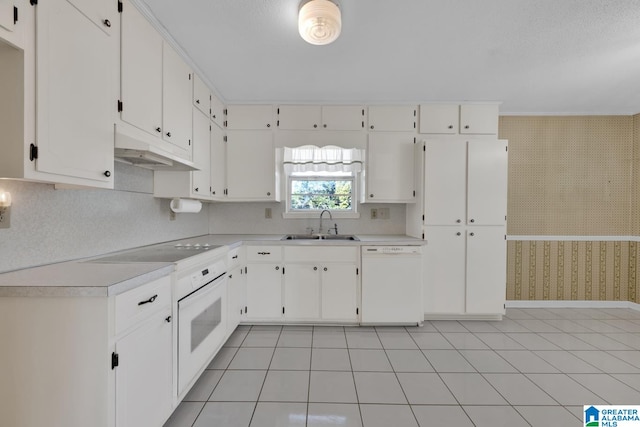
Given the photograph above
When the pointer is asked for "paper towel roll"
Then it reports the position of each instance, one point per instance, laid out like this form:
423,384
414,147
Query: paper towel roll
186,206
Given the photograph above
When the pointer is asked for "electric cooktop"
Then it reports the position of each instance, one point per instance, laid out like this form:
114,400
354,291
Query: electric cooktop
161,253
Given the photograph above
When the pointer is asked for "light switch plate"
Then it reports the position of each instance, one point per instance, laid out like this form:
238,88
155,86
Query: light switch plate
383,213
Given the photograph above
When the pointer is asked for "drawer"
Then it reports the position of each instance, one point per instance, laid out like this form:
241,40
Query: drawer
138,304
264,253
235,258
347,254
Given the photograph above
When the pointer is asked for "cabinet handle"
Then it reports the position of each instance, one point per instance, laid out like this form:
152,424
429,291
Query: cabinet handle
471,234
268,193
324,126
107,173
107,23
371,126
234,257
277,268
458,221
149,301
466,126
158,130
325,269
213,192
197,101
371,195
214,116
196,189
315,268
264,253
168,319
169,134
472,220
450,126
268,125
458,234
315,126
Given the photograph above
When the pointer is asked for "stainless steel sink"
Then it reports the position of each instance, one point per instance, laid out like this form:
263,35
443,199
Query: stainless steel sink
320,237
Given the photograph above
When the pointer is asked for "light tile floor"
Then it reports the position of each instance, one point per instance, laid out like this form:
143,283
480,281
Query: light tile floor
535,368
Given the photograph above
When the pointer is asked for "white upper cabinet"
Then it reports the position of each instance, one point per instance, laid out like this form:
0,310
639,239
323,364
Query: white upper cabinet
6,15
75,55
299,117
315,117
439,118
465,182
343,117
201,95
217,111
390,174
479,119
471,119
487,182
394,118
218,163
141,72
250,117
251,167
176,100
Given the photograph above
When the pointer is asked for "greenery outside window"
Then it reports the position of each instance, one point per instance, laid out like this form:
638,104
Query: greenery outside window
316,193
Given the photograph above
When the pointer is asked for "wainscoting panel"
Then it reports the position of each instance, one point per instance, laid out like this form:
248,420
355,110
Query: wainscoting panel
572,270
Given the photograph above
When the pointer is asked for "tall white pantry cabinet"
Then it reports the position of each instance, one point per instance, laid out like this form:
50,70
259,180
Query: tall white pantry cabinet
463,210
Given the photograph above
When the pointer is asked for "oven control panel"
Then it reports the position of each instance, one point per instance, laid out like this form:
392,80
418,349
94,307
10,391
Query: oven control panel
203,275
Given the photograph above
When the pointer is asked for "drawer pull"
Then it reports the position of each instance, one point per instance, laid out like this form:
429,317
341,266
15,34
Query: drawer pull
264,253
150,300
234,257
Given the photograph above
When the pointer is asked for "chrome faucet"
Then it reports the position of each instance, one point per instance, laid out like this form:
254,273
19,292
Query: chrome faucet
322,213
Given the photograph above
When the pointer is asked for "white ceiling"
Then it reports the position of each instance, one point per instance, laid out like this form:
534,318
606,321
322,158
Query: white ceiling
536,56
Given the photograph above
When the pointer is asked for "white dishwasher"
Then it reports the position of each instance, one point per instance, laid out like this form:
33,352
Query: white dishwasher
392,285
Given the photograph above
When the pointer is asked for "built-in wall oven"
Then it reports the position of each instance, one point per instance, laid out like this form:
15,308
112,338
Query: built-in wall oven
202,318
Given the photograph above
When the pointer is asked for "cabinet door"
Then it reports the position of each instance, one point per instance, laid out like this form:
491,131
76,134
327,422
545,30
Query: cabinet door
201,95
217,111
479,119
440,118
486,269
176,100
74,95
249,117
299,117
444,270
445,182
237,297
487,182
6,14
141,72
218,163
339,292
201,181
390,176
264,291
392,118
343,117
302,291
144,374
251,172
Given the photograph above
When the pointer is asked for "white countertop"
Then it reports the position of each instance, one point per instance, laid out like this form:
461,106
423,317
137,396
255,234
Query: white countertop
92,279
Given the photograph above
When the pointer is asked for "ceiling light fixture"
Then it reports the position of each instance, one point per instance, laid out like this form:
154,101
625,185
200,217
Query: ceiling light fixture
319,21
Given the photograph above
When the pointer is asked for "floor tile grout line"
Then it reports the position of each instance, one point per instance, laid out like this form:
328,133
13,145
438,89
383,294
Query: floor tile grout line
255,408
353,377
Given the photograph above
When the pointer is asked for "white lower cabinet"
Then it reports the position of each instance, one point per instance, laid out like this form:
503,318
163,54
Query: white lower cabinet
302,284
100,361
237,288
144,374
465,270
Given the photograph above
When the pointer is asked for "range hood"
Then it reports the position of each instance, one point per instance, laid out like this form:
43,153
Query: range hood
135,147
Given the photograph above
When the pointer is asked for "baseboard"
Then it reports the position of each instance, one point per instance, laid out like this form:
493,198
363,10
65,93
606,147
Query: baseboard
572,304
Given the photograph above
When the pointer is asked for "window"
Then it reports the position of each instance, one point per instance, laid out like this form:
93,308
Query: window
316,193
322,178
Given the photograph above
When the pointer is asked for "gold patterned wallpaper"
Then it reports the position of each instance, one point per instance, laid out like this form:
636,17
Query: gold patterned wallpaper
573,176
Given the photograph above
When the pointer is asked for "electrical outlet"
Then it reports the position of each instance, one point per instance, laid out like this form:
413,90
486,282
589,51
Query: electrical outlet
383,213
5,217
374,213
267,213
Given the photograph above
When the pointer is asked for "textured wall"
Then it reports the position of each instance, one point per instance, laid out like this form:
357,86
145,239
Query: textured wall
49,225
569,175
573,176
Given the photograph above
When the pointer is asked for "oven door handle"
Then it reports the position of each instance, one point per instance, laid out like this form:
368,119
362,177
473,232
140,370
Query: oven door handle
203,291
